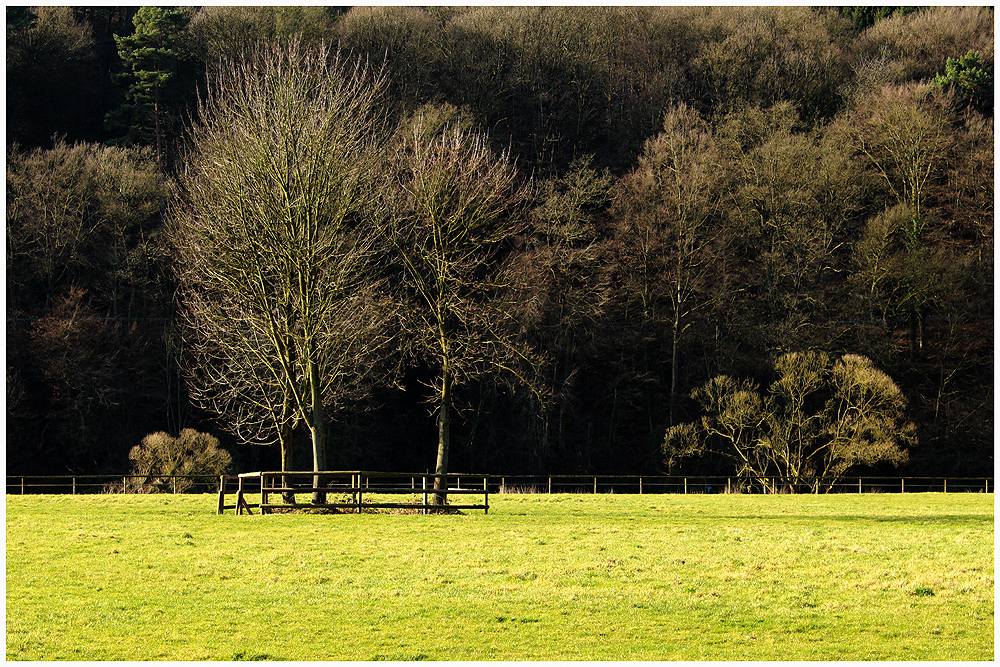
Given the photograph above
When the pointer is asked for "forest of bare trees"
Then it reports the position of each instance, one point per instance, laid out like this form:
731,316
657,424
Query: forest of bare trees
503,239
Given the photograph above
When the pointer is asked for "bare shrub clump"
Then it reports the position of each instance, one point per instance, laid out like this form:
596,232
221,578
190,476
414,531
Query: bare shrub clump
161,456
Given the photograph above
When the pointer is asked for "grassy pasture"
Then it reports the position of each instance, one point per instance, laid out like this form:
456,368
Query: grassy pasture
574,577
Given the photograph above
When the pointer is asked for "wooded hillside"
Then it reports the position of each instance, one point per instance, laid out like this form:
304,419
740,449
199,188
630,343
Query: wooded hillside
698,192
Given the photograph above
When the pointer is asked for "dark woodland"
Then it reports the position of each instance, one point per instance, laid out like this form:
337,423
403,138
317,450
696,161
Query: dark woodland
696,192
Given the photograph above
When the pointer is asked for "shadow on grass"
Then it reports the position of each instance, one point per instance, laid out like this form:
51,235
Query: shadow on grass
942,520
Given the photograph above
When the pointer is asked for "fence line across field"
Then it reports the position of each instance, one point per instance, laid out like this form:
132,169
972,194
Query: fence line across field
77,484
732,484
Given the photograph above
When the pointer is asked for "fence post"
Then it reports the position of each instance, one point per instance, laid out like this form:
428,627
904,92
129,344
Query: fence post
423,481
263,494
595,483
685,485
640,486
859,485
222,495
902,485
239,497
946,485
550,483
22,486
124,484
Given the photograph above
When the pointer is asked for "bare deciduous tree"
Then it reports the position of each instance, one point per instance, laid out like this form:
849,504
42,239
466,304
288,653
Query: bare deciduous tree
905,135
564,297
903,131
273,239
667,206
457,206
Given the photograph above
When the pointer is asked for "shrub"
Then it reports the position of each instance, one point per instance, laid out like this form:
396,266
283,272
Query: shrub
192,453
818,419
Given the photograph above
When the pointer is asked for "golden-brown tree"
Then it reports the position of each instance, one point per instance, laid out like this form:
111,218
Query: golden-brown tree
818,419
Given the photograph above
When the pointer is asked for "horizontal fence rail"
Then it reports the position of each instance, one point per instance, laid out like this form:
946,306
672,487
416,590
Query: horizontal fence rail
733,484
82,484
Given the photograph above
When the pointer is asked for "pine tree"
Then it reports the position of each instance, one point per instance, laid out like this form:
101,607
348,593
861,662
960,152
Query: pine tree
150,58
969,76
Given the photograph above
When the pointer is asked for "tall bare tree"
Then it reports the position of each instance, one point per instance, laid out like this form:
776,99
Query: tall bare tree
666,206
457,206
273,241
905,134
565,295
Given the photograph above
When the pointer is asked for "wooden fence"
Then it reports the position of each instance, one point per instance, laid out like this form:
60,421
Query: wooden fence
74,484
56,484
355,491
718,484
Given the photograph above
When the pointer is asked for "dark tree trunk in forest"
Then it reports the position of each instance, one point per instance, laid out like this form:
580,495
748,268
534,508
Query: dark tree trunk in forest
675,359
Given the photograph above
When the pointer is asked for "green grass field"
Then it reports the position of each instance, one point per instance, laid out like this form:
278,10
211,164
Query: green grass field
564,577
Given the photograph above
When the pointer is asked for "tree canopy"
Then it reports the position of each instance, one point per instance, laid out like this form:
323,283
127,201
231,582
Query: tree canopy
614,205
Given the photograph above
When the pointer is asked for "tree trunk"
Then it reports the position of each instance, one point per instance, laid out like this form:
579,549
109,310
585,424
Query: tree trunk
444,436
675,358
319,463
289,423
285,435
915,329
318,430
156,121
